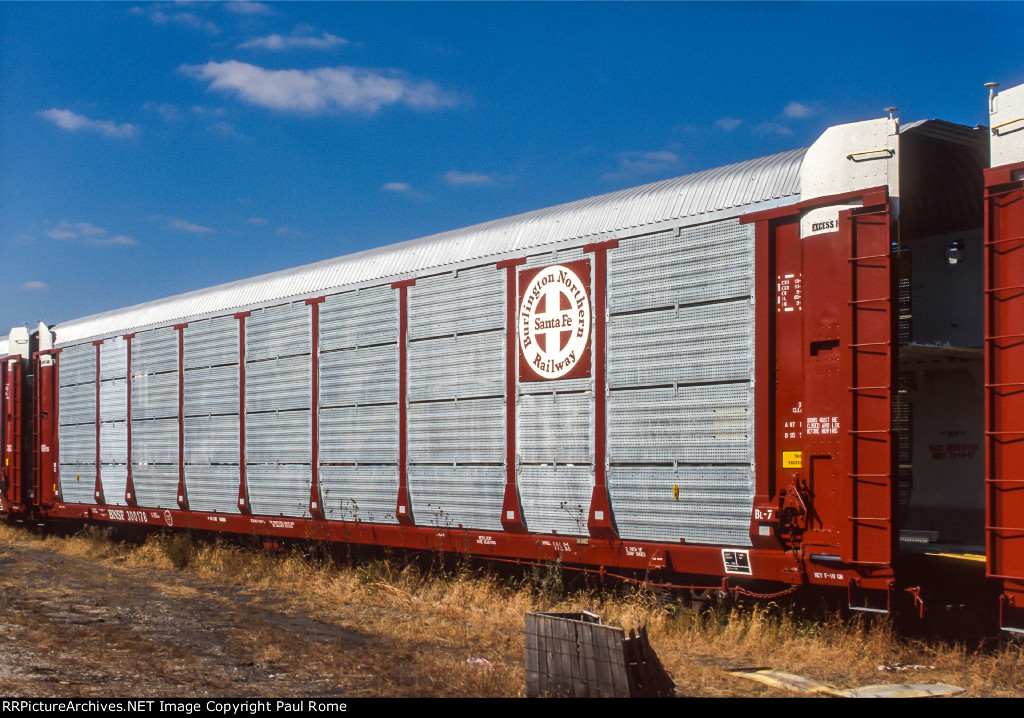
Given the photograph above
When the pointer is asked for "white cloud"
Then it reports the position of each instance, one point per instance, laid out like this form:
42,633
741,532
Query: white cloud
72,122
319,90
174,16
169,112
89,234
224,129
463,179
116,239
399,187
35,286
728,123
772,128
798,110
295,41
257,221
248,8
186,226
208,111
633,164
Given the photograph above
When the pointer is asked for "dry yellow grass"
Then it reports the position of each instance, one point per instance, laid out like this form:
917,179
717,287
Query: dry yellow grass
416,628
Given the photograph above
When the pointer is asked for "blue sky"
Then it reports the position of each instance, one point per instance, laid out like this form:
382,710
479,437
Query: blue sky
152,149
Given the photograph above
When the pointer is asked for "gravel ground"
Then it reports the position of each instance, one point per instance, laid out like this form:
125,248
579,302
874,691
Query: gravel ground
76,627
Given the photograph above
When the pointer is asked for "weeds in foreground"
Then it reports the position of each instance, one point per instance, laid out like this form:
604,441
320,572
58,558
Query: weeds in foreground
426,623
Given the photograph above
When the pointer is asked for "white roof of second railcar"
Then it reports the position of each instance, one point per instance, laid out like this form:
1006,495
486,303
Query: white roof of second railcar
712,191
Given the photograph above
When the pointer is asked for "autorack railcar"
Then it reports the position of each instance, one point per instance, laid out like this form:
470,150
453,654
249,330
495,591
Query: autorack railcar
789,371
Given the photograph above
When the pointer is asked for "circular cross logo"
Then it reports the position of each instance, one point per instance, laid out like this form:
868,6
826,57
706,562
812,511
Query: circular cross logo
554,321
168,518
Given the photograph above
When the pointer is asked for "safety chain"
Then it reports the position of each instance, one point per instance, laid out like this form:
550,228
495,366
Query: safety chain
753,594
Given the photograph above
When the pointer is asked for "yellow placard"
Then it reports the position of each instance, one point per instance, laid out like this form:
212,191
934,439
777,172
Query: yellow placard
792,459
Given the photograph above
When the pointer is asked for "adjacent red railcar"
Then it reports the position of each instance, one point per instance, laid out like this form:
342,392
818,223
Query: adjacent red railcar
798,370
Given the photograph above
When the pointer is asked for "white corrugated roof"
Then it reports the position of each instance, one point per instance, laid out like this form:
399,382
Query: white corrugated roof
623,212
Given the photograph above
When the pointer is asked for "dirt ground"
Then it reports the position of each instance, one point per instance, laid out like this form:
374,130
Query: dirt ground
92,618
74,626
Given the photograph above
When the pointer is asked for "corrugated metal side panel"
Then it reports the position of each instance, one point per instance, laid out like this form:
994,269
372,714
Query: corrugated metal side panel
114,442
209,342
469,301
155,441
703,424
77,444
155,396
359,493
713,505
704,263
114,479
556,498
466,496
279,437
278,331
77,404
114,400
560,256
114,359
768,181
212,390
368,375
77,365
212,440
154,352
710,343
362,435
679,366
212,488
279,490
359,319
464,432
77,482
556,428
463,367
157,486
279,384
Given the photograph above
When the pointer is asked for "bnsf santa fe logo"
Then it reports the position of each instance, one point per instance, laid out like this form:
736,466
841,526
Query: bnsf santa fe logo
554,322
